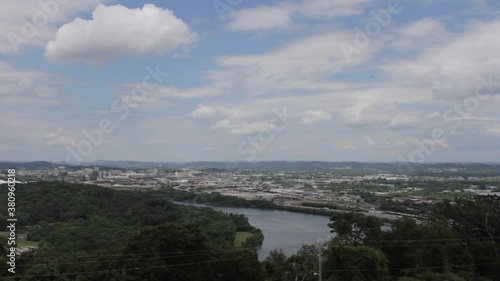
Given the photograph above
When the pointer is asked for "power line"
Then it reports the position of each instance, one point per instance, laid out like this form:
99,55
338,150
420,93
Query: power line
252,249
167,255
382,245
127,269
153,256
399,269
435,240
149,253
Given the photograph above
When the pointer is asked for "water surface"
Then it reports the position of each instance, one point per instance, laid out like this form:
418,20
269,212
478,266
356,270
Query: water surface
283,229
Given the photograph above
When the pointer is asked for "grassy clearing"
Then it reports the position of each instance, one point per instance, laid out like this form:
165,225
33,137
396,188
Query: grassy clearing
241,237
19,242
25,243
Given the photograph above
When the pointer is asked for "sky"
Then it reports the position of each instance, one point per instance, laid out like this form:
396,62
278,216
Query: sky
238,80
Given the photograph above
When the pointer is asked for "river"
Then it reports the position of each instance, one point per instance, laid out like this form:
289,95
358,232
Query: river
283,229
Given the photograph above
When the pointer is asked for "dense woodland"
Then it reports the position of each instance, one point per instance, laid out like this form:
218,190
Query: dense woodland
459,242
93,233
114,235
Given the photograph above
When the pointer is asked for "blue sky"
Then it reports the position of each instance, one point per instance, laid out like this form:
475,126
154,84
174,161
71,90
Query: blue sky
415,81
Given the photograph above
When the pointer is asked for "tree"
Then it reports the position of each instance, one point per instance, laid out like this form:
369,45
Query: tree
410,247
276,265
355,263
355,229
181,252
306,259
477,223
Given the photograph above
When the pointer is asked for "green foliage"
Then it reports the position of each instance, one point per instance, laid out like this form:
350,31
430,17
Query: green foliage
276,265
138,234
429,276
411,246
356,264
354,229
459,241
477,223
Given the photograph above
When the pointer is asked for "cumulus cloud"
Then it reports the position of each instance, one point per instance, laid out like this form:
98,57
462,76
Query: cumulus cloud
203,112
314,116
33,23
116,31
367,111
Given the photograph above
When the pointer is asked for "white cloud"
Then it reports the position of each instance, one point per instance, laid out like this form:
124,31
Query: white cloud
369,141
163,96
209,112
451,67
397,142
328,9
480,119
300,64
306,74
242,128
62,140
42,16
259,18
443,143
204,112
29,97
314,116
283,14
29,88
367,111
494,131
116,31
401,121
345,144
419,34
58,138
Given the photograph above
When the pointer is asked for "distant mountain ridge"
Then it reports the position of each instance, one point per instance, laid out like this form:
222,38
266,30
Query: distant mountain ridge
27,165
444,169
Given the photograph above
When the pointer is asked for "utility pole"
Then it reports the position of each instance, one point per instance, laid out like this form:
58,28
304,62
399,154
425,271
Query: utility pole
296,274
320,265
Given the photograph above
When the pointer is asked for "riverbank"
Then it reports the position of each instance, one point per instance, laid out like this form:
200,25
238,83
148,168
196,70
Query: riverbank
281,229
219,200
